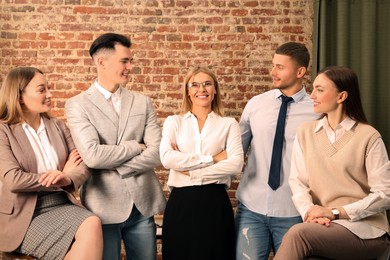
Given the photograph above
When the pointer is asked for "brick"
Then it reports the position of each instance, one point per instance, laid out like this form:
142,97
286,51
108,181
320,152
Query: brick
162,78
39,45
174,37
8,35
57,45
89,10
21,9
184,4
267,3
85,37
251,4
239,12
214,20
72,2
166,28
190,37
178,46
266,12
249,20
76,45
293,29
46,36
204,28
27,36
171,71
254,29
218,3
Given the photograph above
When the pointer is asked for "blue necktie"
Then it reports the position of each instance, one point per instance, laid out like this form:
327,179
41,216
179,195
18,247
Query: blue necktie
274,171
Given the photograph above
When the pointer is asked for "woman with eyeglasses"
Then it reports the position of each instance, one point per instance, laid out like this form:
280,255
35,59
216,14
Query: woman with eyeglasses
203,151
39,170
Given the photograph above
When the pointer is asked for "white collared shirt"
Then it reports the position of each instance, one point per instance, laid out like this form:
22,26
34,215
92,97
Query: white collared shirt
196,149
113,98
338,132
45,154
258,126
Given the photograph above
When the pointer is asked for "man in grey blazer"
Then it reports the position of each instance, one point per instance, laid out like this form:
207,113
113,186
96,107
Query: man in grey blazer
117,135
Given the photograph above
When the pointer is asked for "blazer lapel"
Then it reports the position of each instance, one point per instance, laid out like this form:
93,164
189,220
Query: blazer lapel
26,147
57,141
102,104
126,103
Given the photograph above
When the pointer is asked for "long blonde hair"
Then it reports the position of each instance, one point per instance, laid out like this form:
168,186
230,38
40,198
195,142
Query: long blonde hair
11,111
216,104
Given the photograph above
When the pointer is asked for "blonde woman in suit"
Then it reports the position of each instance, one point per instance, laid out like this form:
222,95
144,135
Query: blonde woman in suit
39,170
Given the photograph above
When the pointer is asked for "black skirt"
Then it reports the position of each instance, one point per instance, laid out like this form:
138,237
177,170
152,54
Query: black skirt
199,224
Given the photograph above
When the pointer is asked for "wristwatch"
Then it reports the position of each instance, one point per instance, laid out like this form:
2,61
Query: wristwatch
336,213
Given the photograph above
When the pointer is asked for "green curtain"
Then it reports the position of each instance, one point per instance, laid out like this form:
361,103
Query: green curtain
356,34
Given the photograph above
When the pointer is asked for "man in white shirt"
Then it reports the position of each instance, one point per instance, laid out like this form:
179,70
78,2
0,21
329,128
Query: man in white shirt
264,214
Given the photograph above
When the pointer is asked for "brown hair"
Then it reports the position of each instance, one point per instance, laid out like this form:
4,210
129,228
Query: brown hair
216,104
346,80
296,51
17,79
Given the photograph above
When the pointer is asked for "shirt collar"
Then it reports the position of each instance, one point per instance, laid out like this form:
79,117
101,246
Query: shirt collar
297,96
347,124
107,94
40,128
212,114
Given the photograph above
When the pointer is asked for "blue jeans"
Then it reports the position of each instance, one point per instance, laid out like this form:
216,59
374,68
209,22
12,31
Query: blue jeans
257,233
138,234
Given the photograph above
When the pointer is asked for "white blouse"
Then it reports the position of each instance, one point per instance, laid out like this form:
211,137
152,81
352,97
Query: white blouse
45,154
196,150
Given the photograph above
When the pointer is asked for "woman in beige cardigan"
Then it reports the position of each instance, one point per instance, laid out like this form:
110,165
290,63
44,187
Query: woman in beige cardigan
39,170
340,177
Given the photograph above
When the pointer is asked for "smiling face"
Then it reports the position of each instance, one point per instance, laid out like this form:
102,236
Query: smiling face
114,66
286,75
36,96
201,90
325,95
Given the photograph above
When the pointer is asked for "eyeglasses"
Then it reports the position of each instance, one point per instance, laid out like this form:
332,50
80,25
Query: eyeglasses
194,86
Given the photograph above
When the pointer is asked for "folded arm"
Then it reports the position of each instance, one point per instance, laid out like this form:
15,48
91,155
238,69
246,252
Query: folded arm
229,167
96,154
226,162
16,179
149,158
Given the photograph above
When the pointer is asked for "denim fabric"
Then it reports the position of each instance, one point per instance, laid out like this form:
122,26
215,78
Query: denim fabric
139,236
257,233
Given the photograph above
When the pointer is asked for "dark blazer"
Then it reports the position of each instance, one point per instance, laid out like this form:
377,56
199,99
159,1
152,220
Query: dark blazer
19,177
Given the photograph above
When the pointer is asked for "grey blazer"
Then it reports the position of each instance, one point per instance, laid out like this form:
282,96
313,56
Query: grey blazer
109,144
19,178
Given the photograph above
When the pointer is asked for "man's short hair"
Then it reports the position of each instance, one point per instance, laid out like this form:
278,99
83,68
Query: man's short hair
297,51
108,41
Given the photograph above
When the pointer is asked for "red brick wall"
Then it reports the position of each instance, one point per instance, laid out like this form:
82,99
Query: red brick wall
235,38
